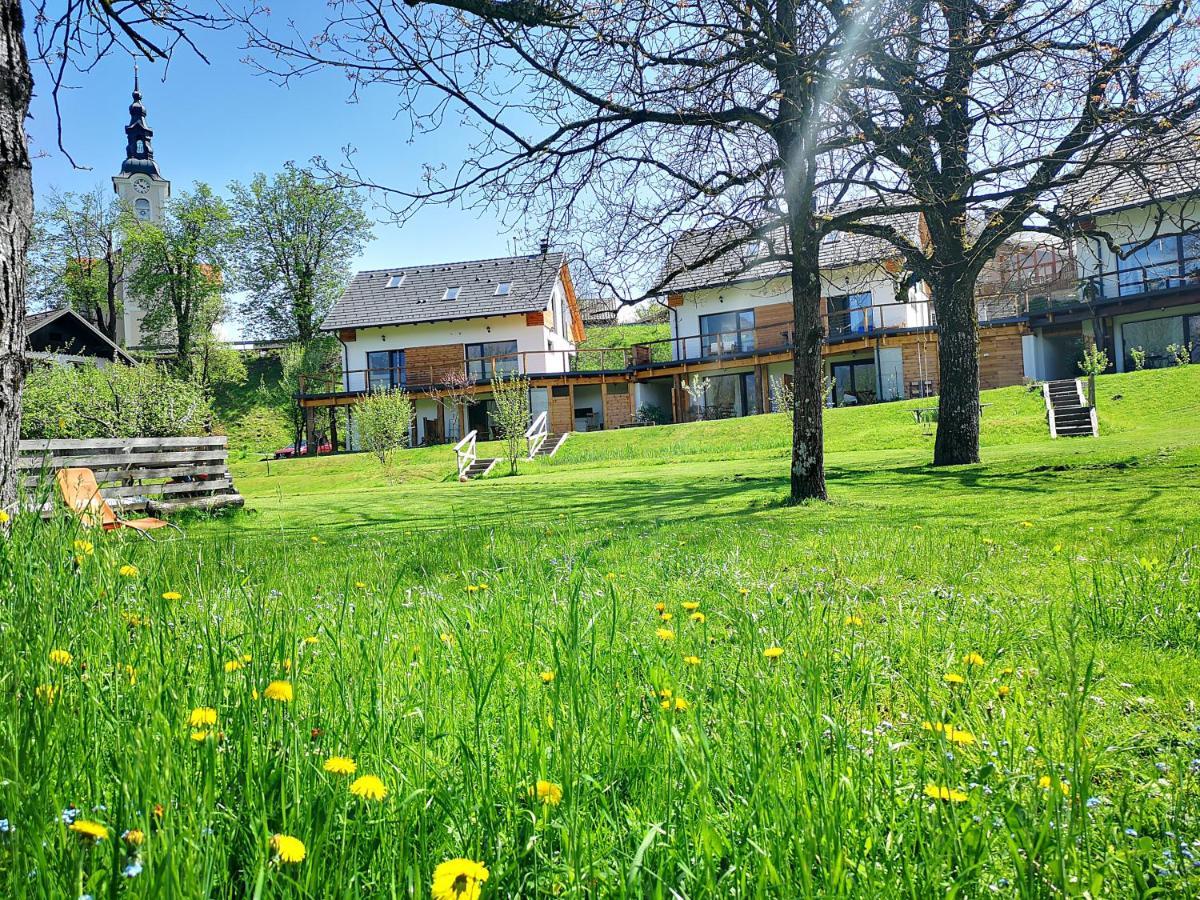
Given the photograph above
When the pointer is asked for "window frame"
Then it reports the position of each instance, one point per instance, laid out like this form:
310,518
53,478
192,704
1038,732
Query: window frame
741,345
452,292
481,366
396,374
507,285
395,281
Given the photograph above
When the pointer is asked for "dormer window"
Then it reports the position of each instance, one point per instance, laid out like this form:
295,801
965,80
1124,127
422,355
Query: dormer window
451,293
503,288
394,281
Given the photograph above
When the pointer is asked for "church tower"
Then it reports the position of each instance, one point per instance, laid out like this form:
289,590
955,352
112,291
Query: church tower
143,189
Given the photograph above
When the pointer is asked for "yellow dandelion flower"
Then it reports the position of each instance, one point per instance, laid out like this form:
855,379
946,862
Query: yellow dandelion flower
134,837
311,639
4,517
483,586
286,665
128,571
692,660
46,693
690,605
546,677
447,638
288,849
361,585
280,691
172,595
546,792
316,540
773,652
61,657
86,828
246,657
201,735
369,787
458,879
129,672
611,576
1046,782
84,548
1003,691
666,616
233,665
973,659
676,703
340,765
933,726
948,794
660,606
202,716
745,592
697,617
1007,670
665,634
852,621
1026,524
953,678
959,736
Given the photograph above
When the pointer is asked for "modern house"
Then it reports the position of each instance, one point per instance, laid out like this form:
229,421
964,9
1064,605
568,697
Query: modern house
443,331
1138,266
63,337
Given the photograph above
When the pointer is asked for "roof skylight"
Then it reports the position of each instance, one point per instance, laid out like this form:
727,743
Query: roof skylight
503,288
451,293
394,281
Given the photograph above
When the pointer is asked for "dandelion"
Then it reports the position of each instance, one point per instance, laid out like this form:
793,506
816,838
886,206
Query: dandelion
773,652
547,793
953,678
316,540
690,605
280,691
233,665
1046,782
852,621
666,617
129,672
961,737
201,716
745,592
659,606
1007,670
4,517
128,571
697,617
447,639
288,849
665,634
61,657
1003,691
361,585
546,676
692,660
472,588
172,595
46,693
676,703
340,765
972,659
311,639
92,831
948,794
1026,524
134,837
611,576
201,735
458,879
368,787
84,548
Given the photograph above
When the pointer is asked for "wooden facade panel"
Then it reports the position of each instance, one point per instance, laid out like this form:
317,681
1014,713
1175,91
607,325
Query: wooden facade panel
1001,360
618,408
534,319
562,413
432,365
773,324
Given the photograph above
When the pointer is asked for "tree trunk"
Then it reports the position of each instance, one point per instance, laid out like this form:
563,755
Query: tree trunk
957,441
16,221
333,429
808,447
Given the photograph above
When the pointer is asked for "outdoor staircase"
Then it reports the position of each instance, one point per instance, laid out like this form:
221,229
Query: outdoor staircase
550,445
478,468
1066,411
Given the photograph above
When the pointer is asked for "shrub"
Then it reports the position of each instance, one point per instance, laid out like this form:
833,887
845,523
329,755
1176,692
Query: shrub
511,395
1138,355
1094,362
1181,354
113,402
384,419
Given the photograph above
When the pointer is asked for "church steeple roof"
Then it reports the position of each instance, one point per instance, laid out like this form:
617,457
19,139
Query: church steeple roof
139,155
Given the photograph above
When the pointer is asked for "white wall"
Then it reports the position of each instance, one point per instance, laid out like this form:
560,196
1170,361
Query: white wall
685,319
530,339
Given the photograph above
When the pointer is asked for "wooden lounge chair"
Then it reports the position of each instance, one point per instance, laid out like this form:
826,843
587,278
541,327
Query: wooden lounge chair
82,495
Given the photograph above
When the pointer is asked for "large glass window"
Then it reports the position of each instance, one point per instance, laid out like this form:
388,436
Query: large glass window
850,314
492,358
1164,263
854,382
1154,336
727,396
385,369
727,332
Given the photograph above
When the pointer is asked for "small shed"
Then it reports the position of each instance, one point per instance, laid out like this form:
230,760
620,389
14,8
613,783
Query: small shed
63,337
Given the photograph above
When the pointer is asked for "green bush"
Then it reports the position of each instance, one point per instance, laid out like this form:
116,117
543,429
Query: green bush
113,402
384,419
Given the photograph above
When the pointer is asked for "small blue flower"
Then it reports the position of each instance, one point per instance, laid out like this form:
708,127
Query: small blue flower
1093,802
69,815
133,870
5,828
1131,832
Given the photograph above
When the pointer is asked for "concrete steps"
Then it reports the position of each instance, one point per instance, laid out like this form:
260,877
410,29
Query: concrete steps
479,468
1068,415
550,445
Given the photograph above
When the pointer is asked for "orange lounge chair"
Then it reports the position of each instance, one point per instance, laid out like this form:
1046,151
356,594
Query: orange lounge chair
82,495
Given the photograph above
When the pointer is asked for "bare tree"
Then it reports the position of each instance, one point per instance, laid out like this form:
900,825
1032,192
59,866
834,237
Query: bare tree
976,112
66,37
623,125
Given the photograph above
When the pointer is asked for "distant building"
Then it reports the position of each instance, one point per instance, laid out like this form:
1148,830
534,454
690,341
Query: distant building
599,312
63,337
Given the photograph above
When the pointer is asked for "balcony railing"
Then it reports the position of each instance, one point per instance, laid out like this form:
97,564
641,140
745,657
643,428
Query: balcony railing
1135,281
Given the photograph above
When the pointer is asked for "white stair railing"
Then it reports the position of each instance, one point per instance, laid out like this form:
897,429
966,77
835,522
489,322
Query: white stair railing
536,434
464,451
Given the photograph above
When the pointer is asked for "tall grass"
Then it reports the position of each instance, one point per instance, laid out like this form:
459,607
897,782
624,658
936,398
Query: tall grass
1068,760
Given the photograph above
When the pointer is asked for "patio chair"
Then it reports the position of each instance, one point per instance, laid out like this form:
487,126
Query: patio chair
81,494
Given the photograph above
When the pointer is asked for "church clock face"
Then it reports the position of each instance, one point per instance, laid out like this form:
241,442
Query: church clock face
142,186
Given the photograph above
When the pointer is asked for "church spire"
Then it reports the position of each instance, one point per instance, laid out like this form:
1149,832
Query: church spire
139,156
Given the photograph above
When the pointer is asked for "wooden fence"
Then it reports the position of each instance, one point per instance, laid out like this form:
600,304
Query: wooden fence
159,475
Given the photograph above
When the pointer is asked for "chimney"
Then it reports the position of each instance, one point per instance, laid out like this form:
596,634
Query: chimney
544,246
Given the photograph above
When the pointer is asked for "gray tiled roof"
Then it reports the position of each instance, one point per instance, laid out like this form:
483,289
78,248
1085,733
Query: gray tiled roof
687,273
368,300
1137,171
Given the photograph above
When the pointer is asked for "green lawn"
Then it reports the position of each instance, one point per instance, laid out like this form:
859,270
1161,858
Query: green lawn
412,617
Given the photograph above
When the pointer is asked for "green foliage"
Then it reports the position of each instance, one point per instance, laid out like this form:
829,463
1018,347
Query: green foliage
115,401
511,394
653,415
257,414
1180,354
384,420
182,273
615,338
220,364
297,239
1094,362
1138,355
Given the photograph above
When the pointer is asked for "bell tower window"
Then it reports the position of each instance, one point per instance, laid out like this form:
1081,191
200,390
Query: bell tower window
141,208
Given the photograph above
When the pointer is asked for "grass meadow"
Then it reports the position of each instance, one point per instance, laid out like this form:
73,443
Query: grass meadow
631,671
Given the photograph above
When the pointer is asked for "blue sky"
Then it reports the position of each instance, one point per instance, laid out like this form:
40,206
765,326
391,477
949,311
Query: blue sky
221,122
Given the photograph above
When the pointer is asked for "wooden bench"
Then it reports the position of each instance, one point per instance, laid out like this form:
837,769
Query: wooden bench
158,475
